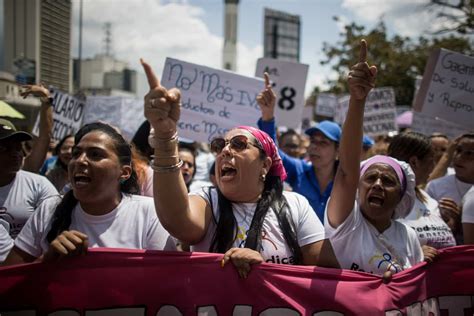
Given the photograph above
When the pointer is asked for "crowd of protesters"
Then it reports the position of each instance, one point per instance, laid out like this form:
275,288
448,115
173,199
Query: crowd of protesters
329,197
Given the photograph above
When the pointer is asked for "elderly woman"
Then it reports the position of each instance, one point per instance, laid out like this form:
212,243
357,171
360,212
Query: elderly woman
247,217
99,211
366,199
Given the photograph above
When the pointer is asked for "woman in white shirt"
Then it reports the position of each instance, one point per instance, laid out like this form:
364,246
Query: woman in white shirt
425,218
99,211
366,199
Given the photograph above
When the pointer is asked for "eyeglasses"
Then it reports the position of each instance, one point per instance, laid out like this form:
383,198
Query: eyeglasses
237,143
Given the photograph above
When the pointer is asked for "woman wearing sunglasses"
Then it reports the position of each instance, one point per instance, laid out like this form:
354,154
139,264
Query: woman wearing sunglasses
247,217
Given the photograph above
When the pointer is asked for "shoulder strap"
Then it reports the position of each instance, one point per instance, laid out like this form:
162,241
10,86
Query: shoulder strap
288,228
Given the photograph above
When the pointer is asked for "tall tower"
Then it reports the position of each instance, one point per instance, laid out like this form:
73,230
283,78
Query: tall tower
37,41
230,35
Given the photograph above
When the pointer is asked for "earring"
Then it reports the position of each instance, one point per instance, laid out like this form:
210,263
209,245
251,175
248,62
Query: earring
122,181
263,177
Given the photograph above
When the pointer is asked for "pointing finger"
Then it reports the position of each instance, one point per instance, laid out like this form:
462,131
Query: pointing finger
153,82
267,80
363,51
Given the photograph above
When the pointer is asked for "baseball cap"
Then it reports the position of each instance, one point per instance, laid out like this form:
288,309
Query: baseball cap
8,130
367,141
330,129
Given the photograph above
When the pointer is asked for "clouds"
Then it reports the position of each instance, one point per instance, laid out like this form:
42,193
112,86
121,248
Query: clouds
155,30
406,17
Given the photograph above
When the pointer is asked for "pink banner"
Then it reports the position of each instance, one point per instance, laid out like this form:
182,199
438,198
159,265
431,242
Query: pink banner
129,282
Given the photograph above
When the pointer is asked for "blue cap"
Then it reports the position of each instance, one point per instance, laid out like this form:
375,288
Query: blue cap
367,141
330,129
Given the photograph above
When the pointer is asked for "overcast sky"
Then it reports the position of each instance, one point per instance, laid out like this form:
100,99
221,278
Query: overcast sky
192,30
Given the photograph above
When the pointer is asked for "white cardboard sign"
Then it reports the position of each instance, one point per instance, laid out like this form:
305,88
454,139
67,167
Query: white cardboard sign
68,113
447,88
326,104
428,125
213,101
379,112
288,81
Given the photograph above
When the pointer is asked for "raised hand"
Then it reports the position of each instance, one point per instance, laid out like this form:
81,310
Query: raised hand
242,259
39,91
162,106
68,243
450,213
362,76
266,100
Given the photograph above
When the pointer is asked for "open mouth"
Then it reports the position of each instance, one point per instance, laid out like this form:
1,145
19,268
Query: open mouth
81,180
228,172
376,201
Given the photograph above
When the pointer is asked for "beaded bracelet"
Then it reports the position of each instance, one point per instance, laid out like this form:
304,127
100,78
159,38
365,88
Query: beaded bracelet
166,169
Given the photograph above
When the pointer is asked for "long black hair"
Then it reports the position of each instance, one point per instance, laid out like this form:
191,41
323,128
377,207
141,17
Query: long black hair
411,144
61,219
226,230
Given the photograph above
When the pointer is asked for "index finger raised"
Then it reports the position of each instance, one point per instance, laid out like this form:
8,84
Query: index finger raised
153,81
267,80
363,51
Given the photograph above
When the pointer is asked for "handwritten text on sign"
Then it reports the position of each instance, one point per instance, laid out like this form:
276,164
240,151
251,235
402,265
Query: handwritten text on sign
447,89
67,115
379,113
289,81
213,101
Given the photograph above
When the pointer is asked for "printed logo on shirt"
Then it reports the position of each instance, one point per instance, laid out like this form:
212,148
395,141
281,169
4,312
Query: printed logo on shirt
380,261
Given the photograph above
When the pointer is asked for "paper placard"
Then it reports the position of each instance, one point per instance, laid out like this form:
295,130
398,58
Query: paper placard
326,104
307,117
213,101
288,81
68,113
379,113
126,113
428,125
447,88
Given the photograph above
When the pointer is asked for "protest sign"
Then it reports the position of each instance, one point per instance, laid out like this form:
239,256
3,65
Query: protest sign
68,113
307,117
326,104
447,88
213,101
379,112
137,282
428,125
288,82
125,113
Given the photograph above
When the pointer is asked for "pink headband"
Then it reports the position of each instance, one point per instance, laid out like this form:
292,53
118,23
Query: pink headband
388,161
270,149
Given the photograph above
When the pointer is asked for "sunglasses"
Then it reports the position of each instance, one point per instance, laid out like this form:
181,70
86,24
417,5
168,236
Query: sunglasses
237,143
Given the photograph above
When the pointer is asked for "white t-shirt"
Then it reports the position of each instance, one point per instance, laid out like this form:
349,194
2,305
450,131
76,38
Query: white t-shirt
426,221
6,243
359,246
132,224
19,198
448,187
468,207
274,248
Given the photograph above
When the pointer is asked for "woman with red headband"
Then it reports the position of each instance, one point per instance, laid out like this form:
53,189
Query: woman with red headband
247,217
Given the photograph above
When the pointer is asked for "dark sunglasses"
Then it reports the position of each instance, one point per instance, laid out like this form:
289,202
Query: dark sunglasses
237,143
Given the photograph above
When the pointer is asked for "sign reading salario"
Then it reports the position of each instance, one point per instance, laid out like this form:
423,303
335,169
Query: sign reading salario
68,112
114,282
447,88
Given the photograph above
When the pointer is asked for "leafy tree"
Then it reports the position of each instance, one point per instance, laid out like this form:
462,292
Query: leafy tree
459,14
399,59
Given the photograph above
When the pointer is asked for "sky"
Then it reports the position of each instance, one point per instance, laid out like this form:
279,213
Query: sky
192,30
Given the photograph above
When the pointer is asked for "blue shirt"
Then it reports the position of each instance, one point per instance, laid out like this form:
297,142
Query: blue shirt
301,175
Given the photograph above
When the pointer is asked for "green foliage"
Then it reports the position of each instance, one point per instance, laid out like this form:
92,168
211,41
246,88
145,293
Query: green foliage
399,59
